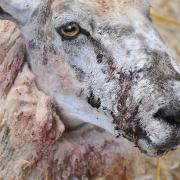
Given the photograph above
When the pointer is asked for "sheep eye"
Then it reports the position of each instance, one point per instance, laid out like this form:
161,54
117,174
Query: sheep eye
70,30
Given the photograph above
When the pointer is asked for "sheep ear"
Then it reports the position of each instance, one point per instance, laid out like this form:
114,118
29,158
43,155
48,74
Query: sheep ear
18,10
142,5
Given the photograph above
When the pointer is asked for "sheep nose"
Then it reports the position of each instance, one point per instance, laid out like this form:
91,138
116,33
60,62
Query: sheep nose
171,116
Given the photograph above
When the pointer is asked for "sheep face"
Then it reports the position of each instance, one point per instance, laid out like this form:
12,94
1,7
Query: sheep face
104,63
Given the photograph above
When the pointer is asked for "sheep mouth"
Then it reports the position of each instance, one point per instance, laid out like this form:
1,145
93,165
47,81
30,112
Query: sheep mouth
151,149
134,132
146,145
140,138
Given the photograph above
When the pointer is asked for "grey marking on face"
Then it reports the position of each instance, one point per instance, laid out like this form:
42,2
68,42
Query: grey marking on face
117,31
99,57
80,74
93,101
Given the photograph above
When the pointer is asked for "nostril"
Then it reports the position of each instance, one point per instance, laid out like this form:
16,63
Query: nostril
159,114
170,116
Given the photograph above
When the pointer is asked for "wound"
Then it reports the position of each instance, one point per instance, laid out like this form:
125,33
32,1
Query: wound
125,117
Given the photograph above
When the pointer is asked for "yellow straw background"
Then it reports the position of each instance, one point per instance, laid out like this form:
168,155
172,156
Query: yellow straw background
158,168
163,19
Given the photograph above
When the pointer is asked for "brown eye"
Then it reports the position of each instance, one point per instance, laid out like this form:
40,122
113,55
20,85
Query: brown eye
70,30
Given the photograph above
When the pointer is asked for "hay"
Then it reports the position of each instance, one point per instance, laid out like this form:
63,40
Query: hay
166,17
